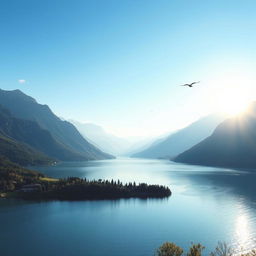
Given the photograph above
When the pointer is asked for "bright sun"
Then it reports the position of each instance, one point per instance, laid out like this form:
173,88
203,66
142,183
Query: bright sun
230,92
232,101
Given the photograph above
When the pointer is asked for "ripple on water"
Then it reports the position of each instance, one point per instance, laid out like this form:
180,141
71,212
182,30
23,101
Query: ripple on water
207,205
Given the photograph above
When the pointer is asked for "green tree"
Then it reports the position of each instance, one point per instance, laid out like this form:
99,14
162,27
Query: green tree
169,249
195,250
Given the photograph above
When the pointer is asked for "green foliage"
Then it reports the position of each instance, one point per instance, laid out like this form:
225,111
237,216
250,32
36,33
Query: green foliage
81,189
169,249
195,250
12,176
222,249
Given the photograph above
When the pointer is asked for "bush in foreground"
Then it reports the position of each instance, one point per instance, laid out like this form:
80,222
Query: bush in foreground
222,249
169,249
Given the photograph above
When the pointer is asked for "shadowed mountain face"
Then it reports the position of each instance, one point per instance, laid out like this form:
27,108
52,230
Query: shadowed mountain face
65,142
20,153
15,135
30,133
232,144
183,139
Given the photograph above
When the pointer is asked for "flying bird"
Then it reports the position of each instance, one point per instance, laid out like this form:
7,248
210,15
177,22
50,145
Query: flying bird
190,85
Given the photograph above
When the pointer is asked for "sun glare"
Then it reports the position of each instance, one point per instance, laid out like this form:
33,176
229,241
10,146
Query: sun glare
242,231
231,93
232,101
243,235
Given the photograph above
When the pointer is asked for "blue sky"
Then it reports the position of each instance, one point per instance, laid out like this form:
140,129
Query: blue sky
119,63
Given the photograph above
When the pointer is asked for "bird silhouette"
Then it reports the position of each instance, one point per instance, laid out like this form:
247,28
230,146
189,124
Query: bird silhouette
190,85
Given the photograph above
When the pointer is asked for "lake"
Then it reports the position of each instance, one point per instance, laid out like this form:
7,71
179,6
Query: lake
207,205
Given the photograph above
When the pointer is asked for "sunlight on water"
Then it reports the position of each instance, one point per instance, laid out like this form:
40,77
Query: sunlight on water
242,231
207,205
244,240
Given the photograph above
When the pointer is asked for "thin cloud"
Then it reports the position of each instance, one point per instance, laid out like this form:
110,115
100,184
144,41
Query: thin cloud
22,81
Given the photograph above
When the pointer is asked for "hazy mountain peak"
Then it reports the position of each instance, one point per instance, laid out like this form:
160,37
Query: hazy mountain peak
232,144
183,139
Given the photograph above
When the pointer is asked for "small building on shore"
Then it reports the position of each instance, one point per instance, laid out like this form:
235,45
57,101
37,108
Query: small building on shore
31,188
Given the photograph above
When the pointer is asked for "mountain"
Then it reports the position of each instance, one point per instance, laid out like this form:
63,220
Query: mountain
21,153
232,144
144,144
59,138
13,147
118,146
108,142
96,135
30,134
183,139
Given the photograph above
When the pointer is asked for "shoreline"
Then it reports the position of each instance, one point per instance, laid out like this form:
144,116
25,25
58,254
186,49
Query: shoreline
77,189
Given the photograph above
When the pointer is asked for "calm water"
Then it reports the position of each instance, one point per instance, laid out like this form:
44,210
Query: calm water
207,205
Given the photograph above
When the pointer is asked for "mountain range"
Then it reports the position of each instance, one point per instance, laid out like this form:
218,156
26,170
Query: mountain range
232,144
36,128
31,134
110,143
100,138
183,139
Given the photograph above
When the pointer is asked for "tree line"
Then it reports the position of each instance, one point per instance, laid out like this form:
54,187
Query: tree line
13,178
74,188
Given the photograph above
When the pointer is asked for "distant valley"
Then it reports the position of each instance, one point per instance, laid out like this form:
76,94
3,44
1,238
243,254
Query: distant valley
108,142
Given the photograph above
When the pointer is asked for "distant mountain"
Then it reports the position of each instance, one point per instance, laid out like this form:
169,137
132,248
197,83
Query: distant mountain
144,144
100,138
183,139
118,146
58,138
232,144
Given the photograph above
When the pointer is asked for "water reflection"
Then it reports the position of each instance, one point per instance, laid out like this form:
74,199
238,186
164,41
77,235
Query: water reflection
242,231
244,235
234,188
207,205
